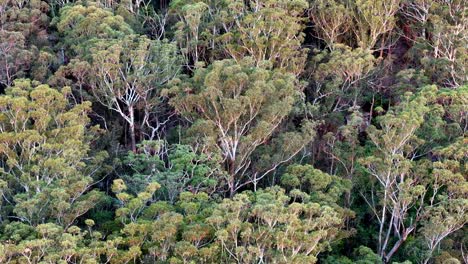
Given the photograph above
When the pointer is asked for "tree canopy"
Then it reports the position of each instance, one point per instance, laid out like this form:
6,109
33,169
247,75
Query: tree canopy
233,131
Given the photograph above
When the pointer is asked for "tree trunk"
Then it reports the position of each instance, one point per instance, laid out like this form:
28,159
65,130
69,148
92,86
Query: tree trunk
393,250
231,190
132,128
382,223
398,244
232,179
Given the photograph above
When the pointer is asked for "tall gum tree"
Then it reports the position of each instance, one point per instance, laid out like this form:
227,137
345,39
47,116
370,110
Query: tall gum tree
367,24
268,30
24,40
45,161
411,191
266,227
264,30
236,107
80,24
129,74
331,20
373,21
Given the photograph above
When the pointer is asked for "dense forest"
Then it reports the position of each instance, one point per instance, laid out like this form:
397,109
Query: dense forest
234,131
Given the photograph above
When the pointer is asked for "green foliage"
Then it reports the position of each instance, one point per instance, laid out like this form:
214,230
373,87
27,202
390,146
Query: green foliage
447,59
361,255
80,24
128,75
153,227
265,226
338,76
13,55
268,30
45,154
185,170
24,44
235,108
373,20
410,194
264,30
233,131
322,187
331,19
361,23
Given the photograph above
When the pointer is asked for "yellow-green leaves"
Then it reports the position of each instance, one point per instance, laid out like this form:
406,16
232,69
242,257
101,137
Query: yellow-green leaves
129,74
331,19
45,148
268,30
79,24
236,107
264,225
373,21
414,191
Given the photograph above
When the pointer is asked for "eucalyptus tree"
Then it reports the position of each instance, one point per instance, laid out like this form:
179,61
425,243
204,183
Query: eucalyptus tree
366,24
266,226
410,191
331,21
374,22
391,165
46,168
235,108
190,29
339,75
449,202
176,167
264,30
15,59
79,24
128,76
156,231
447,61
51,243
268,30
24,41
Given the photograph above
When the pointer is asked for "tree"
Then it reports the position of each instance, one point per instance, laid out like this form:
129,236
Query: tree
79,25
24,40
408,193
344,149
155,228
392,167
15,59
268,30
264,30
418,11
45,155
266,227
235,131
362,255
189,29
361,23
338,76
455,104
54,244
320,187
447,46
139,228
448,212
184,170
128,76
235,109
373,21
199,27
331,20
